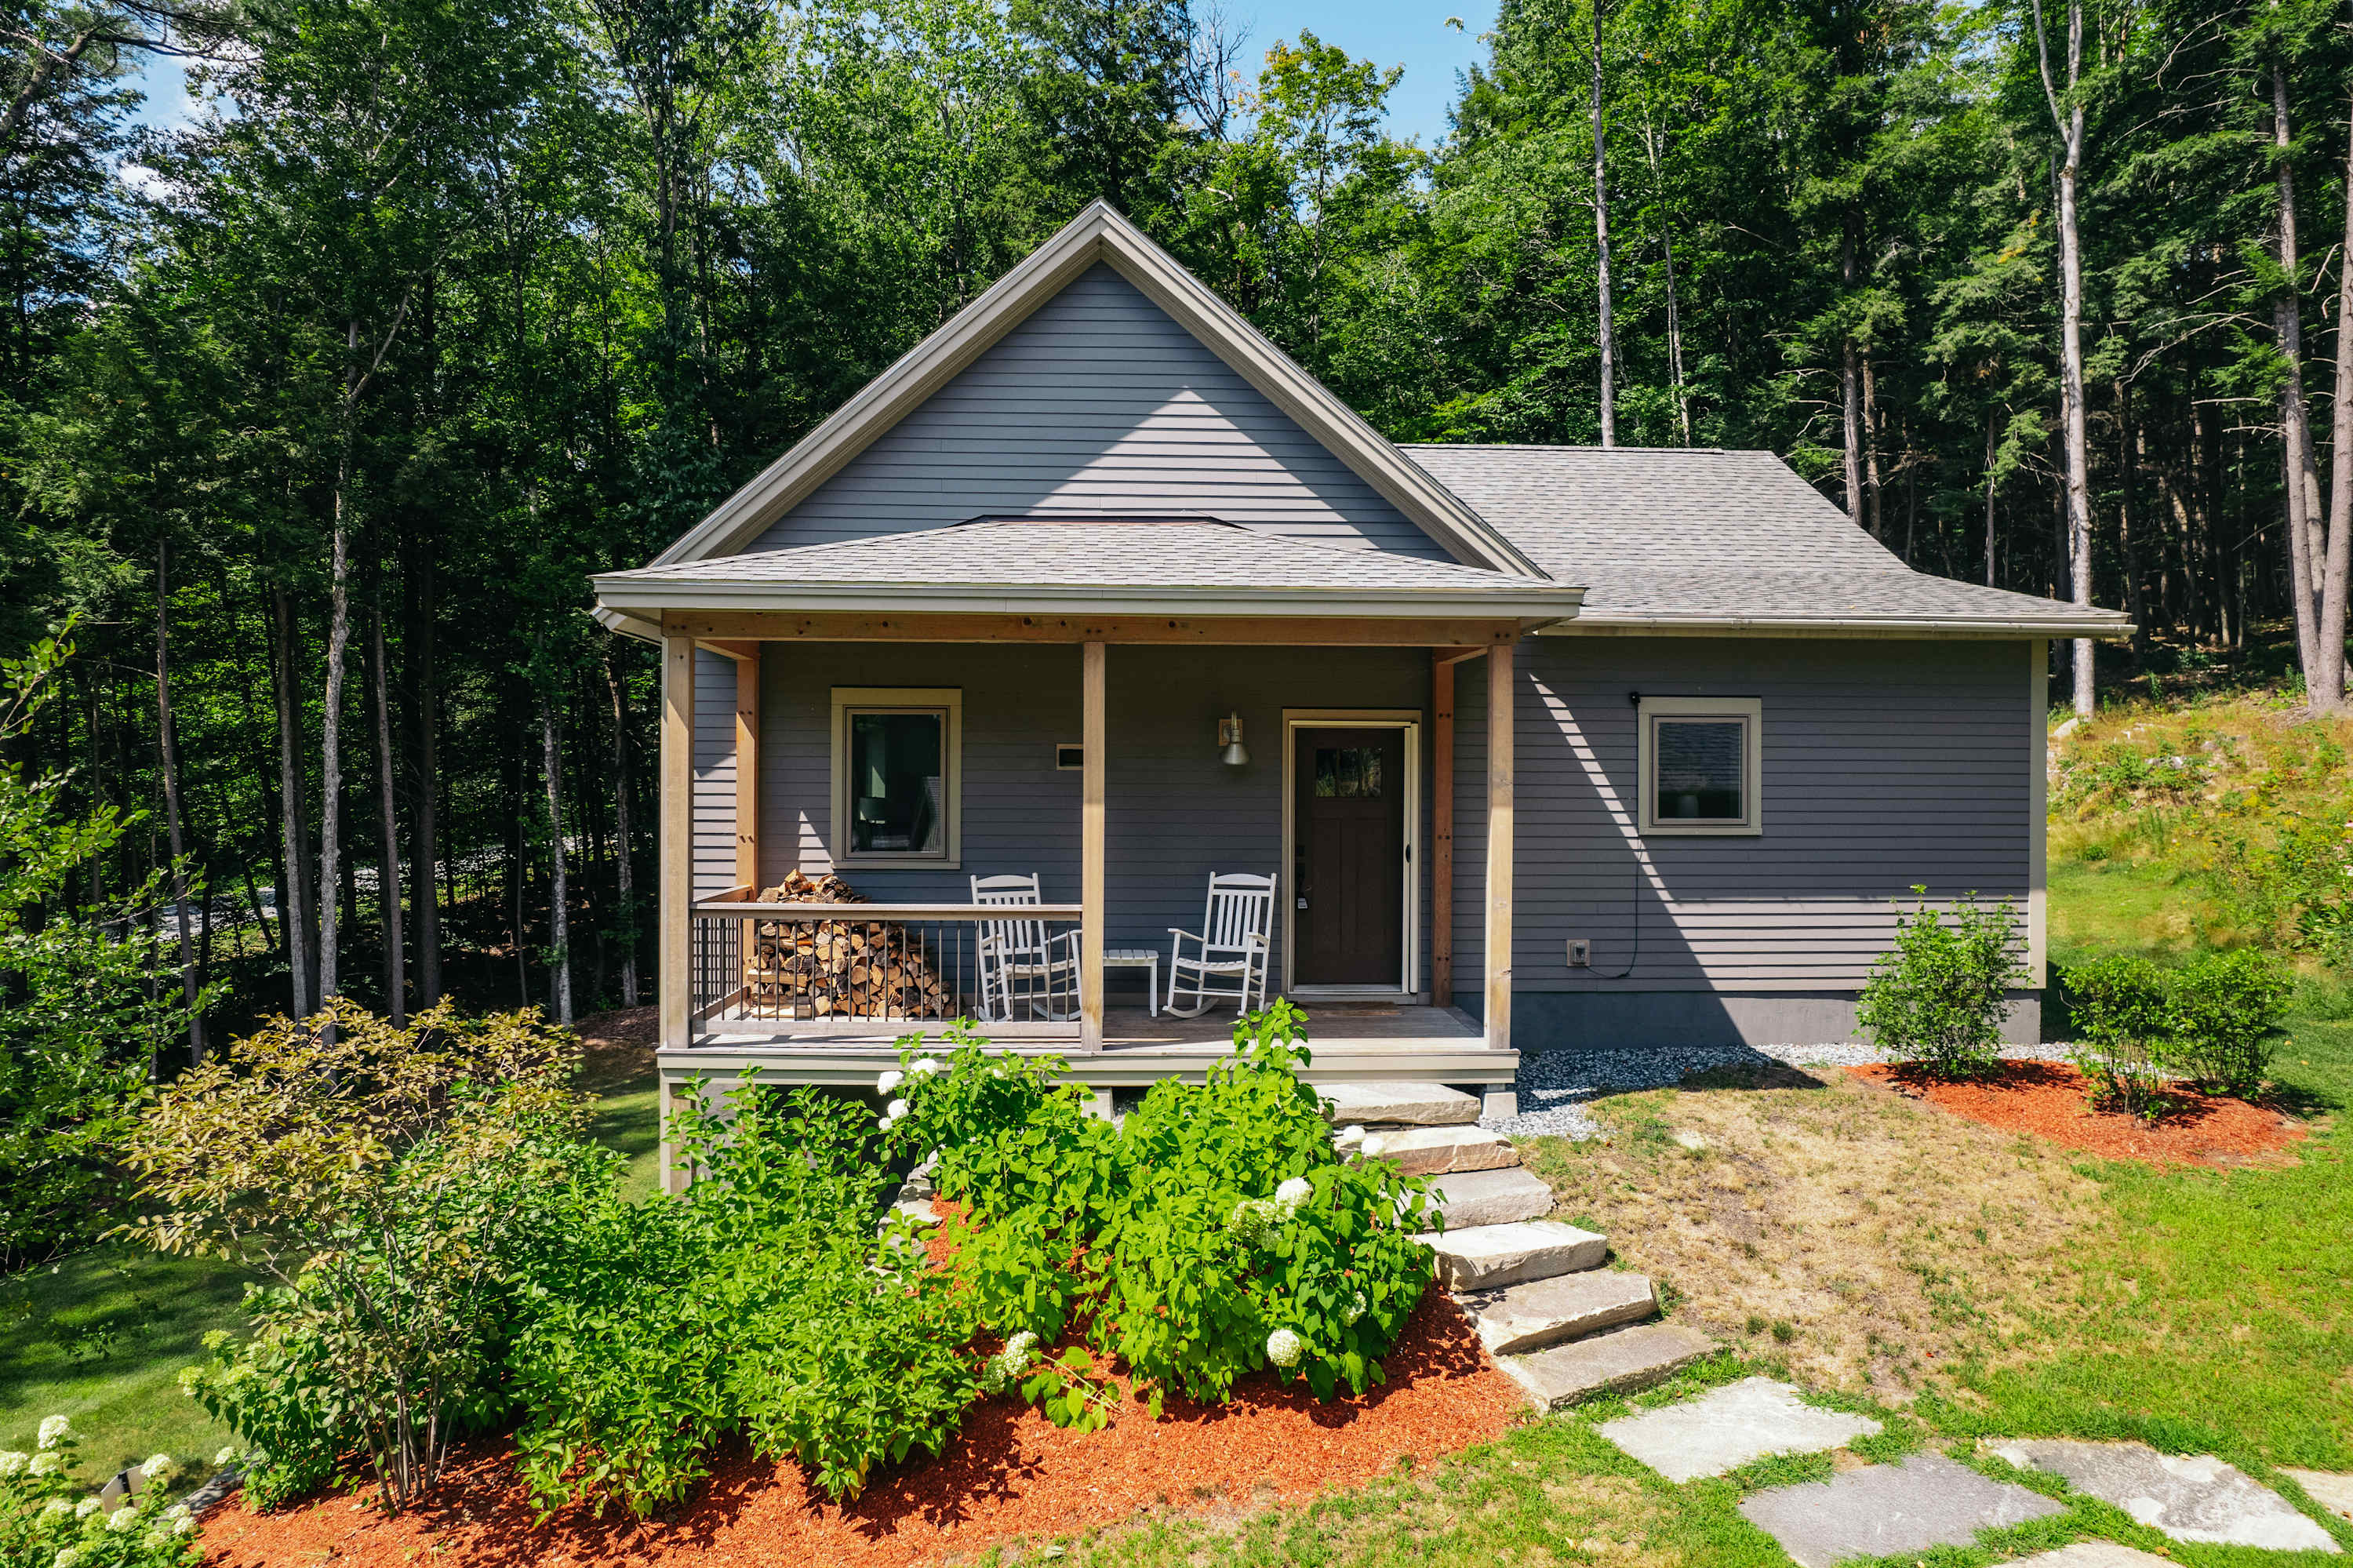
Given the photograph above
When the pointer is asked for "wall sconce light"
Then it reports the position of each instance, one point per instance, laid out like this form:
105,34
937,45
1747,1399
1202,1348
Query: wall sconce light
1233,753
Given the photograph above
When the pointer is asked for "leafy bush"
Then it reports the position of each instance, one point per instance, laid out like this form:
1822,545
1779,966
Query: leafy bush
2209,1021
760,1301
1215,1234
50,1519
1937,997
399,1187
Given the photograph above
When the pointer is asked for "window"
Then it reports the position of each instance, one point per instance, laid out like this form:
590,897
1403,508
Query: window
896,787
1348,773
1700,771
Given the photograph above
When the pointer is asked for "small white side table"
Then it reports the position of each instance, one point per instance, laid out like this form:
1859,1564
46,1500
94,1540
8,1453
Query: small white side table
1138,959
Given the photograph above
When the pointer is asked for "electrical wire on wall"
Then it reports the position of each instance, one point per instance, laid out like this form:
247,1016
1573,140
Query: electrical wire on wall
1634,858
1598,777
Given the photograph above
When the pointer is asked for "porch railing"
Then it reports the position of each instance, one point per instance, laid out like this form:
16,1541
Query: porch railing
849,969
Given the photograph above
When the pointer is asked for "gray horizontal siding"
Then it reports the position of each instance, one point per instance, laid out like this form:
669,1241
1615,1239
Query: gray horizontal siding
1099,403
1886,764
1175,812
714,774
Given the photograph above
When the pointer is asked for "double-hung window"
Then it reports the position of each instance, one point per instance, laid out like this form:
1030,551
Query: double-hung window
897,789
1700,768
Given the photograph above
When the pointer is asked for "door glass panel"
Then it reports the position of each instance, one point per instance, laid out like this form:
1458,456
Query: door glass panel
1348,773
896,789
1700,770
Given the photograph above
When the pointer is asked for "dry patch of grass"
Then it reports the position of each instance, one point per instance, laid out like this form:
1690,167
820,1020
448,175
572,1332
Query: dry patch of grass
1868,1240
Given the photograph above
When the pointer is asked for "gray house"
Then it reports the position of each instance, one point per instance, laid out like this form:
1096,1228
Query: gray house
1538,745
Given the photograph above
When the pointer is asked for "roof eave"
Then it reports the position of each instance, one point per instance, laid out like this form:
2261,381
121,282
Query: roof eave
1624,623
1098,234
646,599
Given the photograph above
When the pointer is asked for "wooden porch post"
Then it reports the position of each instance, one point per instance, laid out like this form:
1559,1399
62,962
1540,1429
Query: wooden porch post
748,774
677,834
1441,829
1500,689
1094,766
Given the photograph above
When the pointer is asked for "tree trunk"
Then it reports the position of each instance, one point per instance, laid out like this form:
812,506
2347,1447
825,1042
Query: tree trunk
1601,247
2128,475
2068,120
1850,394
331,736
293,917
168,745
623,875
1993,443
559,913
2300,478
1871,484
395,963
425,885
2339,560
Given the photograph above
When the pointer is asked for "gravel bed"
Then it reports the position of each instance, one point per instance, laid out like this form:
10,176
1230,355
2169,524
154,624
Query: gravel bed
1554,1085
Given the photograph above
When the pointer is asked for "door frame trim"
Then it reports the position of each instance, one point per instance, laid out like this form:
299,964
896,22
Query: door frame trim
1408,721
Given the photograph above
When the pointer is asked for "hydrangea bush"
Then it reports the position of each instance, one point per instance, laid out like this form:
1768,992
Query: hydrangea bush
1213,1234
50,1519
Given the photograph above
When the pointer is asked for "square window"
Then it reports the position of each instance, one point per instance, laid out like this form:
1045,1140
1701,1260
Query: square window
1700,770
895,785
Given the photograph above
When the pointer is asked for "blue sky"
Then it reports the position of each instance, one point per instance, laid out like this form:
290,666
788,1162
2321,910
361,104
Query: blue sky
1410,33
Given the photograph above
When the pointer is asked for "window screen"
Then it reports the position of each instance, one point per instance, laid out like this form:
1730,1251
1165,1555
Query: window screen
897,789
1348,773
1700,770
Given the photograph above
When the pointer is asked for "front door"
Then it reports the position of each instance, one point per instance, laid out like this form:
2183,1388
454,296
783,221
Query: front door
1348,870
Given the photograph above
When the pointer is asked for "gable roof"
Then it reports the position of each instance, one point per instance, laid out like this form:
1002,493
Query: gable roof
1100,234
1136,566
1699,539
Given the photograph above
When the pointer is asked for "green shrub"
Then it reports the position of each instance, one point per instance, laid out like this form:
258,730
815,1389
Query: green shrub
2211,1021
760,1302
50,1519
2229,1006
1213,1235
2125,1029
1937,997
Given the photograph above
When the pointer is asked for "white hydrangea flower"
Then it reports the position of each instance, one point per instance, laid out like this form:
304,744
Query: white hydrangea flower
1356,1310
1284,1348
14,1461
159,1467
56,1506
1295,1191
66,1559
226,1458
895,1109
1251,1219
889,1081
87,1507
922,1066
184,1525
123,1518
177,1511
55,1428
45,1463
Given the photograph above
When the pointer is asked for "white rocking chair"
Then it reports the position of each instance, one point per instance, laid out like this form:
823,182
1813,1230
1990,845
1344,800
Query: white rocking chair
1021,963
1231,946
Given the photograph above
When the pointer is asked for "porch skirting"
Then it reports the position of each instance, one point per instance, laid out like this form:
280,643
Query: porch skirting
1600,1020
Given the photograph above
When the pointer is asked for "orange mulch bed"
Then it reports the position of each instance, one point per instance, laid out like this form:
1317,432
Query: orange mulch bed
1008,1474
2050,1101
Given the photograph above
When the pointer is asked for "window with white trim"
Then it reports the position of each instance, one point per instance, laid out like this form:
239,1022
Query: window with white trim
897,776
1701,769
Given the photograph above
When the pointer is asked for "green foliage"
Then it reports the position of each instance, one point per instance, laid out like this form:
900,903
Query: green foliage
80,1020
1937,997
761,1302
1214,1233
399,1187
2211,1021
51,1518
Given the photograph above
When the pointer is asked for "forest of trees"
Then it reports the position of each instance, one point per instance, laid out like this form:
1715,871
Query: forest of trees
316,414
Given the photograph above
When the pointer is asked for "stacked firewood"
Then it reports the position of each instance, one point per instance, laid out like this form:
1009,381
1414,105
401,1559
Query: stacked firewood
836,969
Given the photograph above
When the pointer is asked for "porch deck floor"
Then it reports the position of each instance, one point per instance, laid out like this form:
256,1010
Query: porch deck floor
1370,1027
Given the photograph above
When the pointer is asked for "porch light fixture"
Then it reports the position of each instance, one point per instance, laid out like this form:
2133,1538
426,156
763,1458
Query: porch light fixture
1229,737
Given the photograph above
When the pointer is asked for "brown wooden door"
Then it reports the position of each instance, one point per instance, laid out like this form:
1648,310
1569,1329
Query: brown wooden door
1348,865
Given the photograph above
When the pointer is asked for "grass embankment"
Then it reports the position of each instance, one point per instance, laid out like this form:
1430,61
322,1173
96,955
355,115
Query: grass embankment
101,1337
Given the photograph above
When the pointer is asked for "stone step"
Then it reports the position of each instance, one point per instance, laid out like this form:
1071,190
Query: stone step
1435,1150
1468,1198
1619,1362
1489,1257
1415,1105
1567,1307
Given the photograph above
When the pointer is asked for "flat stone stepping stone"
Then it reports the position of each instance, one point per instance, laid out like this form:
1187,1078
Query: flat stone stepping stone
1435,1150
1467,1198
2333,1492
2093,1554
1488,1257
1730,1426
1883,1509
1622,1363
2198,1498
1568,1307
1416,1105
